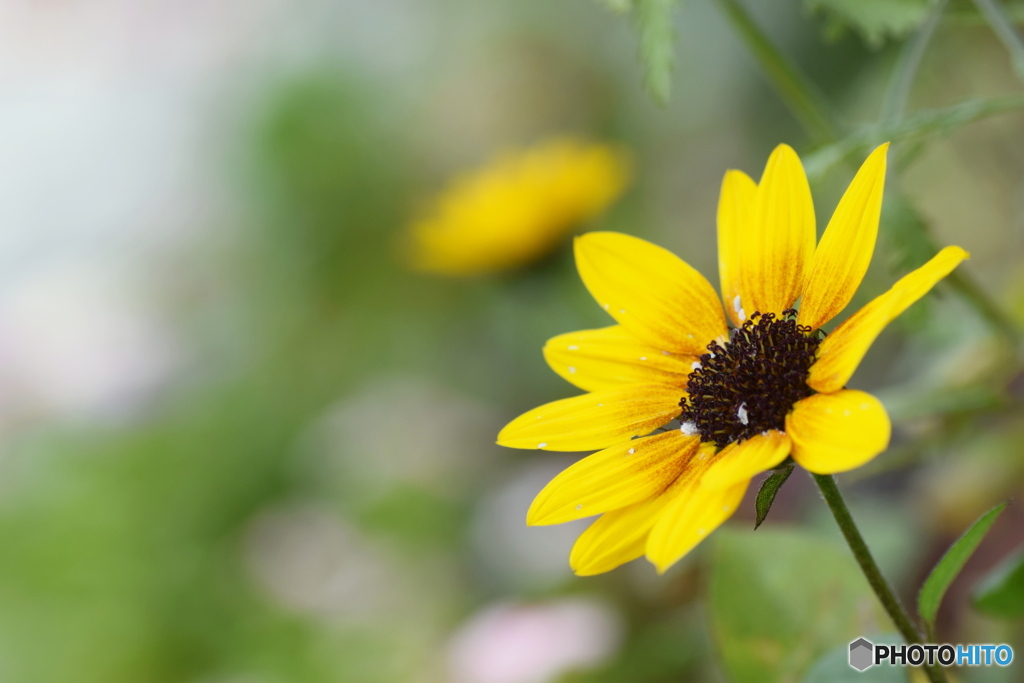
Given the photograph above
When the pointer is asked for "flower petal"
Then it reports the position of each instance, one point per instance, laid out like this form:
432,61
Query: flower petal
615,538
610,357
841,352
735,209
618,476
595,420
620,536
691,516
777,247
845,250
738,462
650,291
837,432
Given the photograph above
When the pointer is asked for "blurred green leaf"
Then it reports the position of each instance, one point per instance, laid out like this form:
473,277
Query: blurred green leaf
782,599
769,488
1001,592
949,566
874,20
653,20
618,6
835,667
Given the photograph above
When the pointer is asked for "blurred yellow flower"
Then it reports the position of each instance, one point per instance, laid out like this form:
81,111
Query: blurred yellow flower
516,209
746,399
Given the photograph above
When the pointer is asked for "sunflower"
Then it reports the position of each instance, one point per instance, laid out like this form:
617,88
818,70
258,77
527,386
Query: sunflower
746,398
517,209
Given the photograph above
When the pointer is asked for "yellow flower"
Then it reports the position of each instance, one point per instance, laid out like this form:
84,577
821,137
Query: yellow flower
517,209
746,399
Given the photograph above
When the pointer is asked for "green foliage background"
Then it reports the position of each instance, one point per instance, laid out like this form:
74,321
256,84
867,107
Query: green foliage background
336,418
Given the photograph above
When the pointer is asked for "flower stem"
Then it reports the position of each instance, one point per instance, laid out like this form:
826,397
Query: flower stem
905,71
798,93
827,485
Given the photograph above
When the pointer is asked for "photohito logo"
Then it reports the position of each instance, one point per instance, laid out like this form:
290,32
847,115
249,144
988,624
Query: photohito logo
864,654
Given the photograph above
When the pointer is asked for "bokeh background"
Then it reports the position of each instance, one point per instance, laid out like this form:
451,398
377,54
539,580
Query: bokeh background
243,442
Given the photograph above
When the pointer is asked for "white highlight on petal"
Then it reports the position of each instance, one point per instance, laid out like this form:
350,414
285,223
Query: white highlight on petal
542,445
632,451
573,347
572,370
643,357
742,414
738,307
688,429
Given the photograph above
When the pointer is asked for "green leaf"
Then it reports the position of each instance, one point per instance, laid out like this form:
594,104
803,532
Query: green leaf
1001,592
769,488
949,566
653,20
771,616
874,20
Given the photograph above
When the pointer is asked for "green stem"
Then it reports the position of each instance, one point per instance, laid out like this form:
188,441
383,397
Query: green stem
898,92
827,484
1003,27
798,93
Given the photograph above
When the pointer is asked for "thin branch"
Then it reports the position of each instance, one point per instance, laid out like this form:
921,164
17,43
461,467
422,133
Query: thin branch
1004,28
795,89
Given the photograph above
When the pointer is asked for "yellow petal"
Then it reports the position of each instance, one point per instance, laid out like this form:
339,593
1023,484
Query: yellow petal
735,208
595,420
691,516
621,535
618,476
776,249
845,250
738,462
837,432
841,352
610,357
650,291
614,539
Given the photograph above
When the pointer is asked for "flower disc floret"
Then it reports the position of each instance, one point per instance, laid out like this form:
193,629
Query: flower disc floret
749,385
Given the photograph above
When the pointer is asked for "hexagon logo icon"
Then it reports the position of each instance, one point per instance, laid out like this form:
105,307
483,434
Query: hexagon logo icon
861,654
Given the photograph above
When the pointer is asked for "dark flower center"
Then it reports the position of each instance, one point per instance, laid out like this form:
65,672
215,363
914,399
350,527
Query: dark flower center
749,385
